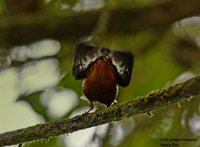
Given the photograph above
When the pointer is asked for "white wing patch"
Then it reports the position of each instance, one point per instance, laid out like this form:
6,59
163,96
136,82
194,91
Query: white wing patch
86,60
121,68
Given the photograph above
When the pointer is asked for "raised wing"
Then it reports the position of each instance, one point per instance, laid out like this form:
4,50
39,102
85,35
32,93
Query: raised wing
123,62
84,57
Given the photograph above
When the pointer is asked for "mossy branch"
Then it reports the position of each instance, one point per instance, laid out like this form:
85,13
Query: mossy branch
154,100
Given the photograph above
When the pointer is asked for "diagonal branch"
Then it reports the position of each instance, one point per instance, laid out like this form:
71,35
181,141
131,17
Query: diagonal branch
154,100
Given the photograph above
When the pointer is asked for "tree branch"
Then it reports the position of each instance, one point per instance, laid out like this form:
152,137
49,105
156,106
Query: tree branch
66,27
154,100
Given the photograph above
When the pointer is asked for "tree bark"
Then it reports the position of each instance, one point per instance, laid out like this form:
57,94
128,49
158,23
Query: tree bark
154,100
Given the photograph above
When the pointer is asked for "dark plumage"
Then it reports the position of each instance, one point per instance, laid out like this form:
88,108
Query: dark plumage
102,70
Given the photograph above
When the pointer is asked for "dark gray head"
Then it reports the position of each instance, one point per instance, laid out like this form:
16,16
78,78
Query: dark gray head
105,52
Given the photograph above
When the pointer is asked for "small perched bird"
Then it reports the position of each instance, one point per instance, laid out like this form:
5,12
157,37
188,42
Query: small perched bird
102,70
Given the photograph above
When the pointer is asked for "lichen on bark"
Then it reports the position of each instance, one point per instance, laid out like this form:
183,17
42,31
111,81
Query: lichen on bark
154,100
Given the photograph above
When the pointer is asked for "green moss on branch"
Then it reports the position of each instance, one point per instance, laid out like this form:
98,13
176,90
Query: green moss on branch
154,100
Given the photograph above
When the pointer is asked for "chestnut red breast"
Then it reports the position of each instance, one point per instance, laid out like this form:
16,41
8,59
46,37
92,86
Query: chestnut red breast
102,70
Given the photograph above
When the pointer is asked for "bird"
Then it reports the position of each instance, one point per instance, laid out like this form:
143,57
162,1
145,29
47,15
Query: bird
102,71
